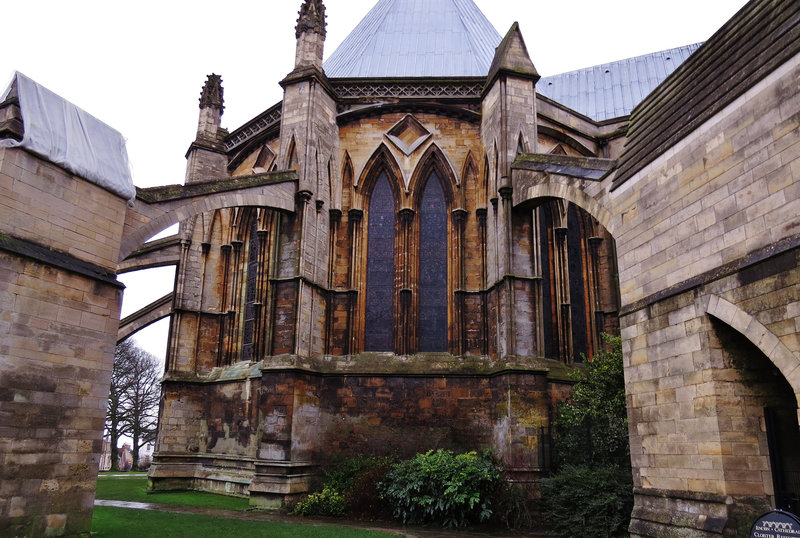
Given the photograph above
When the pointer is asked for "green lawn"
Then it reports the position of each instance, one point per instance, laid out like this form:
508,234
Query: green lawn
130,523
133,487
108,521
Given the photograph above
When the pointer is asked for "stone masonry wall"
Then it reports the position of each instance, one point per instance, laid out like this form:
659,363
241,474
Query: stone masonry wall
320,418
59,314
691,230
213,432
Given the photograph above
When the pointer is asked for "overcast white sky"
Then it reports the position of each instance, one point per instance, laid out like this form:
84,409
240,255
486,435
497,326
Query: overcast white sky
139,66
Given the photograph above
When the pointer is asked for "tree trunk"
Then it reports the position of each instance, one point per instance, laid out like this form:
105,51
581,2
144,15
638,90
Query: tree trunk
135,451
113,439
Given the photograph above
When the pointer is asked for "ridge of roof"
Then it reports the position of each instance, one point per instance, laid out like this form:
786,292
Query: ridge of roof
417,38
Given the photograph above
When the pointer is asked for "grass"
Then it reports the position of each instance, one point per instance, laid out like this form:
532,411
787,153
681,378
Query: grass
115,522
134,488
110,521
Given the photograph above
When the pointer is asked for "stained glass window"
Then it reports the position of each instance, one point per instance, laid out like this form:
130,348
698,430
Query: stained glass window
433,268
577,283
251,275
379,318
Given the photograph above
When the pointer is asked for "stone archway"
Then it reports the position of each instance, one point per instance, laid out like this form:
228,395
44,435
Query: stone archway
558,187
761,405
764,339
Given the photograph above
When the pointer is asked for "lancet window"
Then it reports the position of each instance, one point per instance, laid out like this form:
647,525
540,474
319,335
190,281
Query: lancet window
406,290
566,258
433,267
244,283
379,310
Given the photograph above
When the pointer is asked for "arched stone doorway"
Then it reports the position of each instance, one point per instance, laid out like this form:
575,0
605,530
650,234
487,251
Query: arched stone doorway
762,410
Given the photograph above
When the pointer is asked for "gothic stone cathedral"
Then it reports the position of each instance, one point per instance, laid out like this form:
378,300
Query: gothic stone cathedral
444,259
413,250
406,302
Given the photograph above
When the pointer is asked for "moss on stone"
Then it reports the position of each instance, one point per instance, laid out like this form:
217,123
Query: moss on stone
174,192
374,363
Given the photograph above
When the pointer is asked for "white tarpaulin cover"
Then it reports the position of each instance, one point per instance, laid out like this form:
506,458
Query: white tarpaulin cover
70,137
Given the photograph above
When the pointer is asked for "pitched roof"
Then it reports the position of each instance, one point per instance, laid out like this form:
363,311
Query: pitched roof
756,41
613,89
417,38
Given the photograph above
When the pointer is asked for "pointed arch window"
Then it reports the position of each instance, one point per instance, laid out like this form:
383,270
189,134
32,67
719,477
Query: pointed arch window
379,311
567,308
251,276
576,251
293,155
433,267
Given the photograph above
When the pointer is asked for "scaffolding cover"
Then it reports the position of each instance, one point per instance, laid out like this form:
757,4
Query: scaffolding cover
70,137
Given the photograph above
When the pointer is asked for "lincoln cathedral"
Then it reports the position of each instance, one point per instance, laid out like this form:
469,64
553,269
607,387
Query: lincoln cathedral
407,300
413,250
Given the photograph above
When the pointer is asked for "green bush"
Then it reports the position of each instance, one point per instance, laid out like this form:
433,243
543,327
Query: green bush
588,500
591,494
593,425
349,487
516,506
343,475
440,487
327,502
363,499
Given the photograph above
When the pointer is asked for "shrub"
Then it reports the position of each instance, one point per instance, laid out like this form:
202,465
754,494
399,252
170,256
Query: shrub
440,487
344,474
516,506
586,501
327,502
591,494
593,426
363,499
349,487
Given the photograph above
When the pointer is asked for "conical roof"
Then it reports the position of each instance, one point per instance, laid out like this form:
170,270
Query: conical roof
417,38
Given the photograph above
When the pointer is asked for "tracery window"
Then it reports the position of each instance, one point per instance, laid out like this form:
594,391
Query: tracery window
576,267
379,312
568,329
251,277
433,267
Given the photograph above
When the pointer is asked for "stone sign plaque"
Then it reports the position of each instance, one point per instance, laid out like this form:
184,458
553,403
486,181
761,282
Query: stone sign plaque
776,524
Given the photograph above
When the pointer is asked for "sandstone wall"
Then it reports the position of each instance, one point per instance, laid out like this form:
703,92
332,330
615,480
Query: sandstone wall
59,314
709,232
214,432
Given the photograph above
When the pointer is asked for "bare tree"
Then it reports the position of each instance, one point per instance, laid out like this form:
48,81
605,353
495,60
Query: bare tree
144,394
116,413
133,399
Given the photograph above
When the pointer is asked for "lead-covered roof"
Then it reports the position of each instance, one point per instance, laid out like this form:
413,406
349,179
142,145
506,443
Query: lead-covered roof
417,38
611,90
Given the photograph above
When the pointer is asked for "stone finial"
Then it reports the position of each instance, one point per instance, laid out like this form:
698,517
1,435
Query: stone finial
311,18
211,96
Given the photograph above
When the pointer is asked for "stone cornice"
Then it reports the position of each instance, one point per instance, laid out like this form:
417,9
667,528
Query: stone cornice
60,260
384,365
